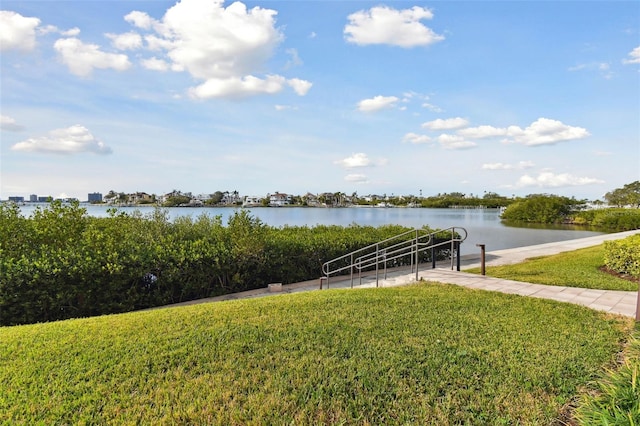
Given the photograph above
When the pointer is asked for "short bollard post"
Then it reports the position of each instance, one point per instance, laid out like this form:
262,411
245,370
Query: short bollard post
482,253
638,305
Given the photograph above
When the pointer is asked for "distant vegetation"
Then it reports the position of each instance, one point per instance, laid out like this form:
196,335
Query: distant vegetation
423,354
542,208
555,209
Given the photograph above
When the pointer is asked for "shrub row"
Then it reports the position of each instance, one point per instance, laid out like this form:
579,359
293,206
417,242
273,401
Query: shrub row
61,263
618,219
623,256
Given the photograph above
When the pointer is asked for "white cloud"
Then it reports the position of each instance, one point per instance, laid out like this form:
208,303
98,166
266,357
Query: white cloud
237,87
301,87
446,124
155,64
416,138
139,19
9,124
634,57
82,58
455,142
72,140
384,25
545,131
225,48
551,180
377,103
431,107
17,31
126,41
482,132
359,159
503,166
284,107
295,60
356,178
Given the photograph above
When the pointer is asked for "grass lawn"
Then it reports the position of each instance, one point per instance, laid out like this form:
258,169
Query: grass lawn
579,268
421,354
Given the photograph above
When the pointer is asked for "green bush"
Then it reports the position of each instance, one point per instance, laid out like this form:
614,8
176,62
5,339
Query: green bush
623,256
61,263
541,208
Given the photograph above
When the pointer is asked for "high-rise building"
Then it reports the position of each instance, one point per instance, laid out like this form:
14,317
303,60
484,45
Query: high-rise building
95,197
33,198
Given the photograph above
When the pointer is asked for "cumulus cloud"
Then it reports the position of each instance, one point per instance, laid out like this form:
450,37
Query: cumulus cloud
126,41
356,178
384,25
482,132
634,57
82,58
551,180
545,131
446,124
17,31
155,64
237,87
455,142
225,48
416,138
359,159
9,124
301,87
72,140
503,166
377,103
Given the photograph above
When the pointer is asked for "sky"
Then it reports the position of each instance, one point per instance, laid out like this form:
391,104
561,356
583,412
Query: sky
395,97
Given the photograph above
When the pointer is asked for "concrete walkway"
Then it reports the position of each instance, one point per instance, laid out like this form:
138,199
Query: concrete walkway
615,302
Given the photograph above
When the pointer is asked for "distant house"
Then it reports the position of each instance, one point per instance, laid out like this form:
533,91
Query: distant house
17,199
252,201
279,200
139,198
311,200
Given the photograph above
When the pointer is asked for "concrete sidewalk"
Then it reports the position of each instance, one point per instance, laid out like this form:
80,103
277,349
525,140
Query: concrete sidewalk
616,302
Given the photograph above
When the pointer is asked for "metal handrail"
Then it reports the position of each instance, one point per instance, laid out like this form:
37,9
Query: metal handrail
388,250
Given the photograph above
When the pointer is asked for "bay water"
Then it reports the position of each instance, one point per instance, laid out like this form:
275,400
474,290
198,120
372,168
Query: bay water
483,226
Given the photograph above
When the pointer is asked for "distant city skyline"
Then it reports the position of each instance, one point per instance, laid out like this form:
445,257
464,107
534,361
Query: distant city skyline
369,97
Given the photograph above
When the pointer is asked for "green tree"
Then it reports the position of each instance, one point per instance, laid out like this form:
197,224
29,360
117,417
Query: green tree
628,195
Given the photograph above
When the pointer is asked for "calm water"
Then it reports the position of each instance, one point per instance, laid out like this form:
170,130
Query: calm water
483,226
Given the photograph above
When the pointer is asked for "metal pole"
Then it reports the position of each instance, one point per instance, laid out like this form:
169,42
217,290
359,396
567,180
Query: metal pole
482,257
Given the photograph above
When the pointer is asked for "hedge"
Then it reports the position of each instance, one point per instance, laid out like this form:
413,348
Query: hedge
61,263
623,256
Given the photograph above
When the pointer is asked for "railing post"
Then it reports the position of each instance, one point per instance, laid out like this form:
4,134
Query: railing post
458,256
377,262
351,269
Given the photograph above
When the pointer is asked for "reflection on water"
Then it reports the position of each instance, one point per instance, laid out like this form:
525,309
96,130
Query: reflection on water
483,226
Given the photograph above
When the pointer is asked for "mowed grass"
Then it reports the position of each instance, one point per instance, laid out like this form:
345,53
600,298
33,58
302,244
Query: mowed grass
421,354
579,268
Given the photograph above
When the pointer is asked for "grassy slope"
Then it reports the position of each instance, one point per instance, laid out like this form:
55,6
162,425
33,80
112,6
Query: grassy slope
418,354
578,268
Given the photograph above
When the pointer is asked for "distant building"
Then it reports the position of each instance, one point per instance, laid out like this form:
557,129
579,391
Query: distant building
17,199
45,199
33,198
94,197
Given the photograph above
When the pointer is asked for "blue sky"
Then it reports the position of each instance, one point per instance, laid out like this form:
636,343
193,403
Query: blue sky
319,96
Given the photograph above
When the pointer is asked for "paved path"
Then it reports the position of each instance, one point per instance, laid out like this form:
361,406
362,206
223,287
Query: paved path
617,302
